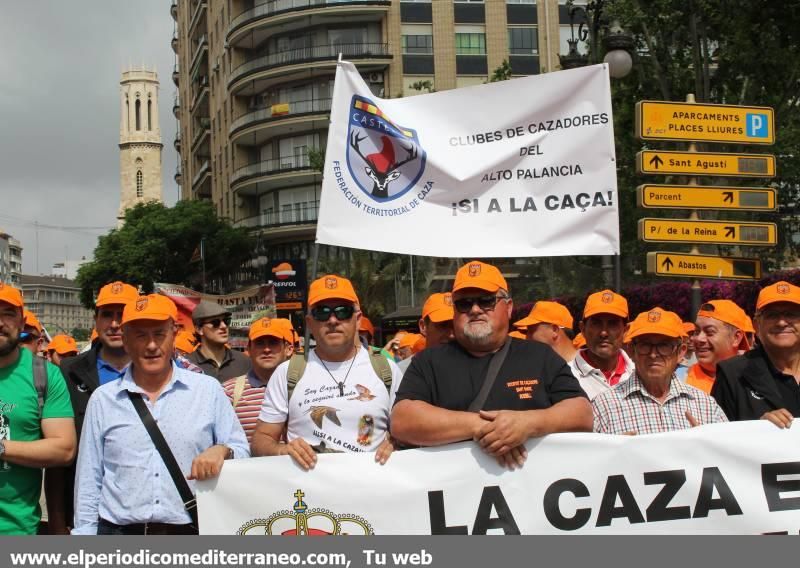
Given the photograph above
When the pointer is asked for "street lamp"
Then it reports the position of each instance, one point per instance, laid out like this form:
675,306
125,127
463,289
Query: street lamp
617,45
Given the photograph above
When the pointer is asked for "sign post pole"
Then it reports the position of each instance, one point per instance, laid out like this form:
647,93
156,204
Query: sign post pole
696,296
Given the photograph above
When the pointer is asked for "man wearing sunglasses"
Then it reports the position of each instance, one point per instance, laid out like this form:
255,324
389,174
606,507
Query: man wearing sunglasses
533,393
31,436
338,401
718,336
654,399
213,356
765,382
106,361
602,363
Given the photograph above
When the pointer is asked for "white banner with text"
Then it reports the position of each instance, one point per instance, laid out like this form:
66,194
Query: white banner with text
524,167
737,478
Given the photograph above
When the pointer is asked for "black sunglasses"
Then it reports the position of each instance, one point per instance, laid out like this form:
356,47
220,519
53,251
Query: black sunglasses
485,303
26,336
323,313
216,322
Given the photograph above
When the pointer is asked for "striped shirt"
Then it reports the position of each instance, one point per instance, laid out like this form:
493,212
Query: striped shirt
249,405
628,407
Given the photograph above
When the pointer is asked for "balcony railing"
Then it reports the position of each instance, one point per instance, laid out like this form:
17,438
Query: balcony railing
296,214
201,5
176,73
205,168
202,126
308,54
173,9
202,44
176,106
275,7
278,111
269,167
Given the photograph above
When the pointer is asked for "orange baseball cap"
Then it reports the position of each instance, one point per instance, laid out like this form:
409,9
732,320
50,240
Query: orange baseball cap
605,302
274,327
408,340
331,287
185,341
11,295
579,341
366,325
688,327
778,292
517,335
657,321
153,307
477,274
116,293
32,320
419,345
547,312
438,307
62,344
725,311
94,335
748,325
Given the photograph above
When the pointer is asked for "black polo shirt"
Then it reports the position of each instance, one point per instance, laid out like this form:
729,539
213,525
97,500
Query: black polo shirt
532,377
788,388
233,365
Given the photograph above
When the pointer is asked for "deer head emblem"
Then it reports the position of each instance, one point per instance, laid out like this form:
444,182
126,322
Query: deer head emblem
382,167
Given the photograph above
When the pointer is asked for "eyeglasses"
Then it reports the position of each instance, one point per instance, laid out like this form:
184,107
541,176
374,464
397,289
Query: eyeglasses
216,322
485,303
323,313
789,316
663,349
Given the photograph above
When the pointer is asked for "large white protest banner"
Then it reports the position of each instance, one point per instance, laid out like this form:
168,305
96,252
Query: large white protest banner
524,167
717,479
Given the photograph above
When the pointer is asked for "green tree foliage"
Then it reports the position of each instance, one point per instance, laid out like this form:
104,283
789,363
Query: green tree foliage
425,86
740,52
80,334
502,73
157,243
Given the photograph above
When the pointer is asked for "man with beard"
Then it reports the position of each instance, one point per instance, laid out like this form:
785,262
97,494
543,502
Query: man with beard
34,432
602,364
532,393
271,342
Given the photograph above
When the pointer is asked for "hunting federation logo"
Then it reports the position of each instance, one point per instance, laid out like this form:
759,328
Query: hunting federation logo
384,159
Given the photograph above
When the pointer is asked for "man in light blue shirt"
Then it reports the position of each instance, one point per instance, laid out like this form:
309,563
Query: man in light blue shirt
122,484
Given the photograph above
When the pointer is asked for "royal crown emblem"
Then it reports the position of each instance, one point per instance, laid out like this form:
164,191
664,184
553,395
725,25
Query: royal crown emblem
782,289
654,316
607,297
474,270
116,288
331,283
302,521
141,304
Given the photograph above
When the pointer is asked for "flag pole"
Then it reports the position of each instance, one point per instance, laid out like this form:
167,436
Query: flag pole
307,331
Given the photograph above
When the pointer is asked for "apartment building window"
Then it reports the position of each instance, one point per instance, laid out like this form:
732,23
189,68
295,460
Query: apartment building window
470,40
520,1
139,184
468,1
523,41
417,39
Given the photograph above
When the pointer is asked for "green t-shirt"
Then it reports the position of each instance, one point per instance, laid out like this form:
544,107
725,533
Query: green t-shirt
19,421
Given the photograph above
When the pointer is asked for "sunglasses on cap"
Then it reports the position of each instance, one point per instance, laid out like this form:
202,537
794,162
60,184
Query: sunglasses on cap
216,322
26,336
323,313
485,303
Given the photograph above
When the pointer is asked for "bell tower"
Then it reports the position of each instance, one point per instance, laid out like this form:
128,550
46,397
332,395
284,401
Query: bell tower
139,140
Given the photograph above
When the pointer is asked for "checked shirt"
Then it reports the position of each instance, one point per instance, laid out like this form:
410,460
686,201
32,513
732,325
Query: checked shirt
628,407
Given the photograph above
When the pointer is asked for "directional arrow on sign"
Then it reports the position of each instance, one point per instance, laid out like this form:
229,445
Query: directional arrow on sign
667,264
727,197
656,161
730,232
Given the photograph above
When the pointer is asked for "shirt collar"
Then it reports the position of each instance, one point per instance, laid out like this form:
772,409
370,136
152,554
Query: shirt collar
634,385
178,378
103,363
254,381
586,368
203,359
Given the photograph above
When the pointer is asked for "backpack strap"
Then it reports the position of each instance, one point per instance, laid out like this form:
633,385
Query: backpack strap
381,367
297,366
238,389
40,381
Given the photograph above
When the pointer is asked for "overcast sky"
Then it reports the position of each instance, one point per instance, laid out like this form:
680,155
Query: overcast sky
60,64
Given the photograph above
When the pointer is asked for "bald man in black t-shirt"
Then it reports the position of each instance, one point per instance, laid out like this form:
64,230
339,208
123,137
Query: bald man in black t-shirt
534,394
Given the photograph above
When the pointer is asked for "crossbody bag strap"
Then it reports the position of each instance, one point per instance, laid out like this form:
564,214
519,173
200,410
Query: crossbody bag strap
491,376
189,502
